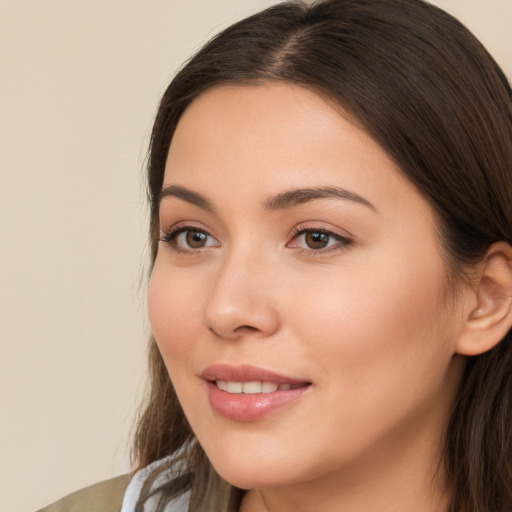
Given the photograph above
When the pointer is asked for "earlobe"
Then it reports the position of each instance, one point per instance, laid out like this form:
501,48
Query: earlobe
491,318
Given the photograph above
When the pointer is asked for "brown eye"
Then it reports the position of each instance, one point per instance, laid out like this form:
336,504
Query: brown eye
195,239
316,239
188,239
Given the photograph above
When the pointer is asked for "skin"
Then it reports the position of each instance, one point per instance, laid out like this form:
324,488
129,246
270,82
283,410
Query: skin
369,319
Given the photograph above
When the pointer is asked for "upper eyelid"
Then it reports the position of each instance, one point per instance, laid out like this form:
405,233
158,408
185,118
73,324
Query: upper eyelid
337,236
177,229
170,238
299,229
332,234
184,225
296,230
320,226
340,245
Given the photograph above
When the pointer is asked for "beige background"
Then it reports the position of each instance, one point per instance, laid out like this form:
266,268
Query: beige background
79,84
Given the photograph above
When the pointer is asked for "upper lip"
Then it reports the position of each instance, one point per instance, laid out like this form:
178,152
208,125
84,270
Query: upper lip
246,373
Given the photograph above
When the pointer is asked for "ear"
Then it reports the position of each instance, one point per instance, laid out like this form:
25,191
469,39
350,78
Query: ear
490,317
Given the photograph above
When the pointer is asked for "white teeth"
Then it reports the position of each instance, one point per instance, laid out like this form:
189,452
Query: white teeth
234,387
251,388
269,387
222,384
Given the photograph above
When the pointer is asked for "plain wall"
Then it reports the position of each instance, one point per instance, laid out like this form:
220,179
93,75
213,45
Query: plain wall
79,85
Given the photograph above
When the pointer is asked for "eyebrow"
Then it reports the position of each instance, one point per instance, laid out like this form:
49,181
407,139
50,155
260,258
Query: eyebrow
300,196
281,201
186,195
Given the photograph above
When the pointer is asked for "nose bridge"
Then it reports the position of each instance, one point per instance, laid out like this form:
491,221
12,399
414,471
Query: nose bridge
241,297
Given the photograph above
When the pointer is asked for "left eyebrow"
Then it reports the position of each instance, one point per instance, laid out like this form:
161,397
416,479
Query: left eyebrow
300,196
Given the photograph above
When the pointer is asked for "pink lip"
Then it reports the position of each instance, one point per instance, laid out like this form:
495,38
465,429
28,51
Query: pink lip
246,373
250,407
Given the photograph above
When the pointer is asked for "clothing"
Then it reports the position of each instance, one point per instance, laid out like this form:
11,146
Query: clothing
106,496
119,494
132,493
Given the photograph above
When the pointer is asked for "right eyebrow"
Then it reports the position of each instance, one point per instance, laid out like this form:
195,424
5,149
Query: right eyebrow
186,195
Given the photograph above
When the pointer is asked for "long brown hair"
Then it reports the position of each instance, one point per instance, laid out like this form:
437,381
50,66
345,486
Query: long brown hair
430,94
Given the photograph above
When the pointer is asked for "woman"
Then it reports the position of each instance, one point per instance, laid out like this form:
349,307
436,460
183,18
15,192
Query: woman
332,277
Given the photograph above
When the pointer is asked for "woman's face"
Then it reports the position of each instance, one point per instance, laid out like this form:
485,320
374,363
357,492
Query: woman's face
299,298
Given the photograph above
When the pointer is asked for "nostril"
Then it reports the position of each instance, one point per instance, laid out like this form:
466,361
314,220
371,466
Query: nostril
238,330
246,328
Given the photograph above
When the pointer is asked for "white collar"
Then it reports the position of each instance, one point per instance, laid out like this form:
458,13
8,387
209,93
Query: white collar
132,494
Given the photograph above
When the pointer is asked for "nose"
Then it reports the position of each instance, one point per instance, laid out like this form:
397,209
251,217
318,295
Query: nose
242,301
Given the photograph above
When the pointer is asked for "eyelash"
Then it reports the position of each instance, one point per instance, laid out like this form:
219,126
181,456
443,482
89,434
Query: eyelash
341,241
170,239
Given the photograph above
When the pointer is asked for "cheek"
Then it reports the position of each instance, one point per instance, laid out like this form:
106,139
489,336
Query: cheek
174,313
371,325
380,348
175,318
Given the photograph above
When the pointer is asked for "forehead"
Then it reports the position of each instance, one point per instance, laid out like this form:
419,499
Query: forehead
261,140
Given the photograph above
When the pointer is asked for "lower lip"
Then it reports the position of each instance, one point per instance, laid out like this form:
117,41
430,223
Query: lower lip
242,407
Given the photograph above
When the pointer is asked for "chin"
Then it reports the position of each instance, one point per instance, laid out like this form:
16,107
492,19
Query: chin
248,469
246,479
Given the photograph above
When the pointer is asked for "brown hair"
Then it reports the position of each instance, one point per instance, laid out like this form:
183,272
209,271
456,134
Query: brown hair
429,93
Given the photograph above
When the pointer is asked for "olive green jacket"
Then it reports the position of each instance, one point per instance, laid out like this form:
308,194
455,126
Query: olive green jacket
105,496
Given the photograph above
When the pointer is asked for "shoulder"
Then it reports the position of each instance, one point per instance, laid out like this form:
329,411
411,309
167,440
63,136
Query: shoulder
106,496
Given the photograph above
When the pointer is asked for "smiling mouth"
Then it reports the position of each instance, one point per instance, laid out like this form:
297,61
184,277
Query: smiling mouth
246,393
255,387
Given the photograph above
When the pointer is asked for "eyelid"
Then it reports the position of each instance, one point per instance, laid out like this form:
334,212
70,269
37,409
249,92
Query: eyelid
169,236
343,240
